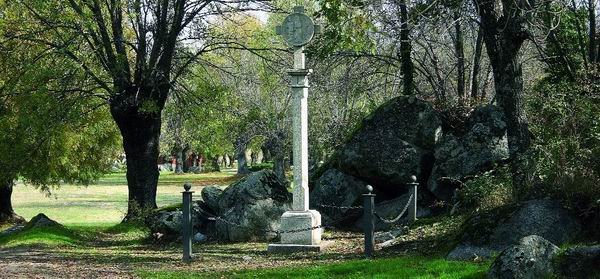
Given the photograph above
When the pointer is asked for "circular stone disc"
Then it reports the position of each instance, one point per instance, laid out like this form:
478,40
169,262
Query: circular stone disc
298,29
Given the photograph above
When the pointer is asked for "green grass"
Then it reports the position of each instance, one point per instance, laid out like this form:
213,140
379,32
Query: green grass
103,204
92,233
42,237
77,236
402,267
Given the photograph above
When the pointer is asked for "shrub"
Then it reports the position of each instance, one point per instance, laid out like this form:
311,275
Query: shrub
486,191
262,166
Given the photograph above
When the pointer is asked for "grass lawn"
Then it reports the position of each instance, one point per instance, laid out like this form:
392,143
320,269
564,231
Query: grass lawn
400,267
105,203
93,243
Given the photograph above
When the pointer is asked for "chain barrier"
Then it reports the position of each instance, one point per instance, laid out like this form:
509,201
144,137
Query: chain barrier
211,217
338,207
278,232
392,221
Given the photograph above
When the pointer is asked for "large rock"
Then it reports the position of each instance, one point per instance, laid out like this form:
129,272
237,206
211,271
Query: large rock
484,144
531,258
211,195
493,231
252,206
392,144
579,262
337,188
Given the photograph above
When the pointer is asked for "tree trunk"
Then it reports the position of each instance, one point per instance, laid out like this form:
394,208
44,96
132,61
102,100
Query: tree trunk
253,158
503,46
407,66
7,214
216,165
242,167
141,132
460,56
240,153
179,160
186,161
476,65
279,167
266,154
592,31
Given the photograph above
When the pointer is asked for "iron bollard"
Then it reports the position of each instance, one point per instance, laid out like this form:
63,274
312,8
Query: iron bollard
369,225
187,222
412,208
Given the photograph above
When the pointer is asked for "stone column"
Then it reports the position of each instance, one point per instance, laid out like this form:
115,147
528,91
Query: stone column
299,76
301,217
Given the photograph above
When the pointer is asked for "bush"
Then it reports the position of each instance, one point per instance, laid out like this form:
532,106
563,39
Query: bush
486,191
568,153
262,166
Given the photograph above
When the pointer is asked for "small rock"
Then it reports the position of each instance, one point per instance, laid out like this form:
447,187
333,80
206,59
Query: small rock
579,262
41,220
12,230
198,238
381,237
247,258
531,258
157,236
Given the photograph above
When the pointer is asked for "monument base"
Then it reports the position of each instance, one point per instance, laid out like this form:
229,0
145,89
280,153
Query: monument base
302,240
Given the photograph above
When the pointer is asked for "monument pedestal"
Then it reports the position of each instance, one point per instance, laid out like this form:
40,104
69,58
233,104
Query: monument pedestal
302,241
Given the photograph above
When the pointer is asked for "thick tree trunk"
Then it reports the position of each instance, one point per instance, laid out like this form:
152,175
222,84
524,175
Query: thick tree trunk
7,214
503,46
141,132
509,96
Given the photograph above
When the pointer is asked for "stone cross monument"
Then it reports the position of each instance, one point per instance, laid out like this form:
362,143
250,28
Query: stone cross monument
298,30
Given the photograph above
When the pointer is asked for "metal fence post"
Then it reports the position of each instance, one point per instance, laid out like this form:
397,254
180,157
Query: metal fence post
412,208
187,222
369,225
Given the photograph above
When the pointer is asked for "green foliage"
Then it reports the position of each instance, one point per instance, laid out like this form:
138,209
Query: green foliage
488,190
348,26
563,55
52,130
43,236
263,166
567,153
402,267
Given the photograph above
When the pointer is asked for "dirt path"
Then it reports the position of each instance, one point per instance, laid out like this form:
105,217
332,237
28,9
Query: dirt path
36,263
